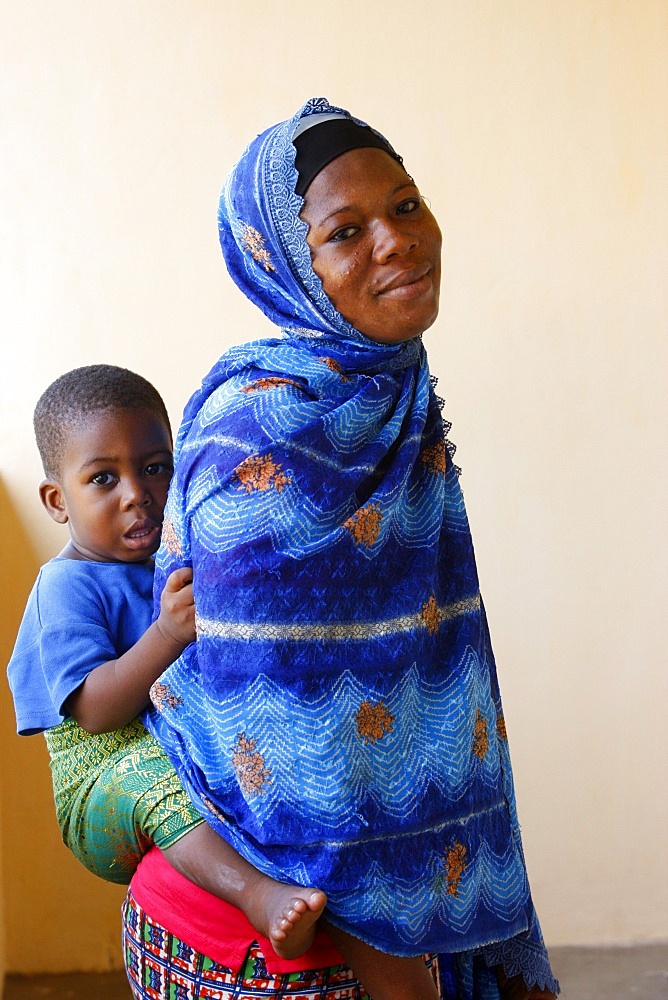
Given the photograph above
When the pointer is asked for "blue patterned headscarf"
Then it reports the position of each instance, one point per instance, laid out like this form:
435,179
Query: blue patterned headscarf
338,720
264,246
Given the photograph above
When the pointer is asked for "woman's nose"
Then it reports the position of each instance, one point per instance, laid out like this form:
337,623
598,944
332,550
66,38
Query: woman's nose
392,238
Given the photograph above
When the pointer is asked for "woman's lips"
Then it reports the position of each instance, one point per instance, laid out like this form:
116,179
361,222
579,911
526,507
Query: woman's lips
408,284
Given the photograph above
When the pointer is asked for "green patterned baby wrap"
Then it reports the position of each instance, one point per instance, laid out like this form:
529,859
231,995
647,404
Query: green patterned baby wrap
116,794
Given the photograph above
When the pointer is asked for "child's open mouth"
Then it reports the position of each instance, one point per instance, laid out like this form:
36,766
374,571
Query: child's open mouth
142,535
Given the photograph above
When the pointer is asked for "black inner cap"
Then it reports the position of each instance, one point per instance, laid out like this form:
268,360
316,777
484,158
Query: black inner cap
319,145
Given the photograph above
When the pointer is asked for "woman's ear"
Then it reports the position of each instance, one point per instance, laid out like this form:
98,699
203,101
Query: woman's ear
51,495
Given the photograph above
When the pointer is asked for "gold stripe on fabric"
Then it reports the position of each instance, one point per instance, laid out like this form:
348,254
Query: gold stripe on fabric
209,628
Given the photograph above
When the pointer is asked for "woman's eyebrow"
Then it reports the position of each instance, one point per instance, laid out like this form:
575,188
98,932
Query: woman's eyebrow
337,211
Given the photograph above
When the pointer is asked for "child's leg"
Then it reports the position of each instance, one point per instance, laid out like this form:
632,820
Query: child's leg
96,783
385,977
112,812
286,914
143,802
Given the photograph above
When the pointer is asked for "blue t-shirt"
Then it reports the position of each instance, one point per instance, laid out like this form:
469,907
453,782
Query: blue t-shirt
79,614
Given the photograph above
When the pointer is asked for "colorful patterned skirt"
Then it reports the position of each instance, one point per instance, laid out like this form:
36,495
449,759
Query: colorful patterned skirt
161,967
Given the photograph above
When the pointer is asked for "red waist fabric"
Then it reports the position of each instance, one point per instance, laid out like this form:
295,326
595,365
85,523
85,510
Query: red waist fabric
212,926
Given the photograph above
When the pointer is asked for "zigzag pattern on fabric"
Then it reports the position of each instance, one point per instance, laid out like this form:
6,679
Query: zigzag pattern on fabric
298,526
411,506
299,738
492,881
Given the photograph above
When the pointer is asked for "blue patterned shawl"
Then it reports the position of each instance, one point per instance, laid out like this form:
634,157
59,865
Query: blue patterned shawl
338,720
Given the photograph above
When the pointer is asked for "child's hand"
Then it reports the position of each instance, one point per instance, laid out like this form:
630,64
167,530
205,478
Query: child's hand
176,620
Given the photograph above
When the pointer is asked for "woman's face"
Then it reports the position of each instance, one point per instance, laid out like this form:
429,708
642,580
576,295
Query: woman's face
375,245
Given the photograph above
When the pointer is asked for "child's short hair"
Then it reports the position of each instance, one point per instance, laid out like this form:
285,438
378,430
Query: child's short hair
87,390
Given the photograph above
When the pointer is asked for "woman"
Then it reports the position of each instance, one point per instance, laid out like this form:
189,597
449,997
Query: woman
339,721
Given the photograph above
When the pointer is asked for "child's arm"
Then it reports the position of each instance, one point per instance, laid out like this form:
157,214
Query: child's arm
116,691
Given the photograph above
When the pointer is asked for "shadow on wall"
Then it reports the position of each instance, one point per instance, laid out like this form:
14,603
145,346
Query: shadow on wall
42,885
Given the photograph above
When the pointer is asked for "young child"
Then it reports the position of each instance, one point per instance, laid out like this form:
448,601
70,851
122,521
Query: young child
87,652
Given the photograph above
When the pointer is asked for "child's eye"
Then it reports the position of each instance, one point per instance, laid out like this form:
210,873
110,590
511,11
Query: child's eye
159,469
343,234
102,478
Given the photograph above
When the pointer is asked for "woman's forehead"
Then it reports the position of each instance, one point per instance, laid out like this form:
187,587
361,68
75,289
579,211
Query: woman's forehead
359,173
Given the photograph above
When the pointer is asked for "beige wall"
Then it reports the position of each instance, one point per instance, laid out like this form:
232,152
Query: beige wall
538,130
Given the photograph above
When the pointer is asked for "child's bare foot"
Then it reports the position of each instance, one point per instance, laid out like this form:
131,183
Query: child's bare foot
286,914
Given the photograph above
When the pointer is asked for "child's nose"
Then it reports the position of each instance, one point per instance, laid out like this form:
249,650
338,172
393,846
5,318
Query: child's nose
136,493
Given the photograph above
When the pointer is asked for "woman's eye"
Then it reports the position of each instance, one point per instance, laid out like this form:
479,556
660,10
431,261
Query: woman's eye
102,479
344,233
409,205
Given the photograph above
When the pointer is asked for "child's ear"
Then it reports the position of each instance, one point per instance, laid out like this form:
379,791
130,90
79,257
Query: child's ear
51,495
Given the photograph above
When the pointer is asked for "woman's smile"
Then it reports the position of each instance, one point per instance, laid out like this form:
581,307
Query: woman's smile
410,283
375,245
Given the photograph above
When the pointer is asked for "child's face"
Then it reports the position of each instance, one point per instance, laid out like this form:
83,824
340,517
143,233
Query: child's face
115,472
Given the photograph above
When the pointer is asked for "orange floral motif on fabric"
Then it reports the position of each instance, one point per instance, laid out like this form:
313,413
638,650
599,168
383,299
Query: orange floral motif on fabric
430,615
480,737
260,472
170,539
455,866
213,808
364,524
501,728
163,697
334,366
270,382
254,242
248,764
434,457
374,721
